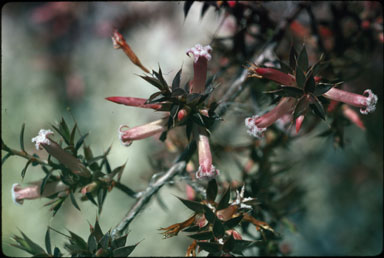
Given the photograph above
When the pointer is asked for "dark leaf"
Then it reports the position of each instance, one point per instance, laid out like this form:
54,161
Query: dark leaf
309,85
72,138
159,76
73,200
288,91
195,206
229,244
241,245
188,129
193,98
80,141
33,248
57,253
187,6
194,228
202,235
155,82
25,168
44,182
163,136
322,88
101,198
196,117
292,58
119,242
224,202
233,222
218,229
22,137
178,92
211,190
104,241
78,241
90,197
92,243
124,251
57,206
127,190
209,215
302,59
6,156
97,231
210,247
300,78
48,242
117,171
285,68
176,81
318,108
301,107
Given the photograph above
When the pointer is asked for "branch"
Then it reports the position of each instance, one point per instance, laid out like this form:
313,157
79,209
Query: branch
179,165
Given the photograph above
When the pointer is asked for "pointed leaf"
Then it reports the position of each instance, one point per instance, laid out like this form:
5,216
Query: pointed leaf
195,206
224,202
104,241
210,247
73,200
153,81
6,156
322,88
56,252
285,68
22,137
229,244
25,168
301,107
73,133
48,242
212,190
80,141
300,78
97,231
292,58
176,81
202,236
302,59
34,248
92,243
309,85
119,242
209,215
124,251
218,229
318,108
233,222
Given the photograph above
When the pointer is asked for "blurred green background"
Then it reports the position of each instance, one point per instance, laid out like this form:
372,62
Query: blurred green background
59,56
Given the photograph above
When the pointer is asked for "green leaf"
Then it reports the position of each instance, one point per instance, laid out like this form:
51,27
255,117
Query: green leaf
117,171
6,156
57,206
48,242
101,198
218,229
194,228
210,247
288,91
104,241
78,241
292,58
80,141
22,137
176,81
119,242
33,248
73,200
302,60
224,202
97,231
159,75
193,98
229,224
285,68
301,107
92,243
209,215
25,168
322,88
229,244
309,85
241,245
178,92
153,81
318,108
300,78
195,206
124,251
202,235
212,190
73,133
57,253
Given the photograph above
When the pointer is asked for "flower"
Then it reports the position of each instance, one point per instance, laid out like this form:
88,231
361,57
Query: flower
140,132
42,138
201,57
20,194
366,103
206,169
61,155
134,102
258,124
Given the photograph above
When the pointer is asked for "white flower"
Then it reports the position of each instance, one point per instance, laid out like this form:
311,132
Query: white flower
42,138
198,50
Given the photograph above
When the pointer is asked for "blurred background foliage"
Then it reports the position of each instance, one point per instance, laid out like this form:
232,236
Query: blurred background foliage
58,60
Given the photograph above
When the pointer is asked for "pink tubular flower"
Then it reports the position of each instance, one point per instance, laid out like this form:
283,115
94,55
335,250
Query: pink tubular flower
134,102
206,169
257,124
31,192
200,64
352,116
140,132
366,102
